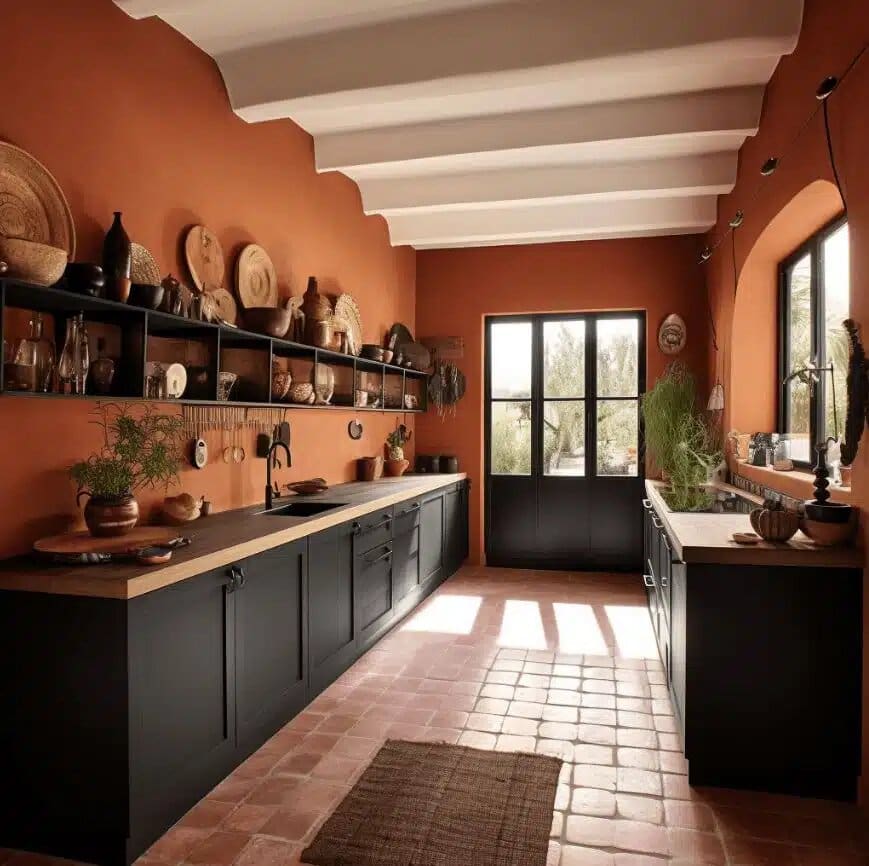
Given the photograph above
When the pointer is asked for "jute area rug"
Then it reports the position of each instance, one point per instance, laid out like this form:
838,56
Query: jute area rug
432,804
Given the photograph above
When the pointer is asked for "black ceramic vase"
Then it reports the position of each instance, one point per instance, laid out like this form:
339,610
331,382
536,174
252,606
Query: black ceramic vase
117,261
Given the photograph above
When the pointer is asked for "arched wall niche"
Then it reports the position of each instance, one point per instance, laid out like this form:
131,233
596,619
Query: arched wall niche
753,391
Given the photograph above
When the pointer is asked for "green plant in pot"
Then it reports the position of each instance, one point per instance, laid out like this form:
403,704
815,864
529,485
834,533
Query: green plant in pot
685,446
396,464
137,452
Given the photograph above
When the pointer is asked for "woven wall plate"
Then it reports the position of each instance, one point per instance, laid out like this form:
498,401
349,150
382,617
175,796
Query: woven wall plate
225,306
32,204
347,310
144,268
256,282
204,259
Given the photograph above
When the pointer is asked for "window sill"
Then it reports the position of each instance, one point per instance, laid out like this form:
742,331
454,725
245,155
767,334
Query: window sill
797,483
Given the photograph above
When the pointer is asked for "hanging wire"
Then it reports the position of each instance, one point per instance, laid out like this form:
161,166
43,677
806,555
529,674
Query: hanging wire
833,157
827,87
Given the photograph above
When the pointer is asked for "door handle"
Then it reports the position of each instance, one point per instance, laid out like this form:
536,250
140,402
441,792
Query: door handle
649,581
385,522
237,578
379,558
414,507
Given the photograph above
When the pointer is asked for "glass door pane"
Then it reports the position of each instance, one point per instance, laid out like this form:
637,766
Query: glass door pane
564,437
511,416
836,302
510,437
617,437
799,324
510,372
564,358
617,355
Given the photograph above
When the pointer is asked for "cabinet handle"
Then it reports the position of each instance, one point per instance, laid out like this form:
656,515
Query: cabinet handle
357,527
379,558
414,507
237,578
656,521
385,522
649,580
647,503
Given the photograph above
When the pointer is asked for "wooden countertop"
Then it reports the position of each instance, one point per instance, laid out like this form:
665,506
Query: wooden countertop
218,540
707,538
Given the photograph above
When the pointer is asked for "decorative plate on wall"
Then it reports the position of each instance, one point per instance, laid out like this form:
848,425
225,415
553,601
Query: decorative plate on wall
204,259
225,305
32,204
256,282
144,269
672,335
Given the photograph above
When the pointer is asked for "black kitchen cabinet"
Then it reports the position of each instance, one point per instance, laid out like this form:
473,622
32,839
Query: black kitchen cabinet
132,710
182,697
431,539
271,641
331,630
763,665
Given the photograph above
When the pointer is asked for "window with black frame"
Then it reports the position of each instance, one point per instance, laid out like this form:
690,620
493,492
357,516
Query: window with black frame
813,345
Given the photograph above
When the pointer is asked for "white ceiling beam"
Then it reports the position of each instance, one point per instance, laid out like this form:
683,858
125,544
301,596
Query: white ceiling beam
705,174
443,53
735,110
558,219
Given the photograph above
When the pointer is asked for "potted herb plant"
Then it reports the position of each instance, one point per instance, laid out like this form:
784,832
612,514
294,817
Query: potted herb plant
396,465
137,452
682,442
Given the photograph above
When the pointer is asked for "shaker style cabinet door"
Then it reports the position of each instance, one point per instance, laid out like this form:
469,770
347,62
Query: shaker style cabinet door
331,633
182,724
431,539
375,604
271,638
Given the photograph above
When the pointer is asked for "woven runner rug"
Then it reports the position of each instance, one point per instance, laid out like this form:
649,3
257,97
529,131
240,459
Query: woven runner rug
433,804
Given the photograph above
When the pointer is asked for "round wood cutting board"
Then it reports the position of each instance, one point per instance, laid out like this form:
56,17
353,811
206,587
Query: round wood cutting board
204,259
256,282
72,543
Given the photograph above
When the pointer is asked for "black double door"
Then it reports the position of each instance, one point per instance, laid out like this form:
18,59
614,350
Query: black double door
563,440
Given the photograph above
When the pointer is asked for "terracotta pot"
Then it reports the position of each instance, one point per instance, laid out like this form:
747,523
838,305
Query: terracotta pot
394,468
369,468
108,516
774,525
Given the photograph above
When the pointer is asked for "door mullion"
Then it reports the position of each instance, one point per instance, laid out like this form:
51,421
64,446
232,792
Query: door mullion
591,396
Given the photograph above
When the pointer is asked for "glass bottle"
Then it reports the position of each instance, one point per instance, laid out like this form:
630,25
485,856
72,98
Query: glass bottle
37,351
83,361
102,370
67,366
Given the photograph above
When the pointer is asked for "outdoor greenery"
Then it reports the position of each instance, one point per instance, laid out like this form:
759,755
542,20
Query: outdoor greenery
137,452
684,445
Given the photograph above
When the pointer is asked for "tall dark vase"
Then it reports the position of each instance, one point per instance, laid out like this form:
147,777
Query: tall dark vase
117,261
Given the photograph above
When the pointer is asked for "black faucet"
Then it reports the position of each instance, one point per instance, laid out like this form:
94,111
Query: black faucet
278,443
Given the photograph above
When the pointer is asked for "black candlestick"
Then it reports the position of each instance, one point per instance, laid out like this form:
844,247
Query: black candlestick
822,475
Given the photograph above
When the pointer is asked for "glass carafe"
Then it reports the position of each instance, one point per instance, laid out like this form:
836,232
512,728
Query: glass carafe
37,351
83,361
67,366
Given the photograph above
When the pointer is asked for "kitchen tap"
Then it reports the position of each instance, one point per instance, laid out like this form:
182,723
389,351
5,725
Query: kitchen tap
278,443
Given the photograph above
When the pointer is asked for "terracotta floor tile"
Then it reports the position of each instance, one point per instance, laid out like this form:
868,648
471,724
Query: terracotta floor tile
292,825
575,855
757,852
176,844
644,759
636,808
265,851
696,846
593,802
298,764
221,848
641,837
248,818
591,832
694,816
206,814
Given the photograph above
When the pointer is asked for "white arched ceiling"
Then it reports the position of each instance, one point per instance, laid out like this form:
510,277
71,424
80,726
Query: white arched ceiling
476,122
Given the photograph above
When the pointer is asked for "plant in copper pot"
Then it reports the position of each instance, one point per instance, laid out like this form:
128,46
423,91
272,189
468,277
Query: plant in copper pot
395,442
142,450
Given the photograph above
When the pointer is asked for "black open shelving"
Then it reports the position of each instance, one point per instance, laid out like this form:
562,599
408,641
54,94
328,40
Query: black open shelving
137,325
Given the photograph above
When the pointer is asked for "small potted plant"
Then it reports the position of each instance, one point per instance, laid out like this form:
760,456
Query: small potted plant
137,452
396,465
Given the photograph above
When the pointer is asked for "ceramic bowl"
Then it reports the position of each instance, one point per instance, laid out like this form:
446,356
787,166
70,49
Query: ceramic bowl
372,352
828,512
271,321
32,262
302,392
828,534
84,278
147,296
281,381
225,383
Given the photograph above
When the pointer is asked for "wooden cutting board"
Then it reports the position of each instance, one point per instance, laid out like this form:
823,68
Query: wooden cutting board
204,259
72,543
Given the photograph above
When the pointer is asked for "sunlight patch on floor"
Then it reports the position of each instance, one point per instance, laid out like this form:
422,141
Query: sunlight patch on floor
578,630
522,625
447,614
633,631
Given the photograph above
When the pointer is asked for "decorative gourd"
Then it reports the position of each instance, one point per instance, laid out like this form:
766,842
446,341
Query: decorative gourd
774,522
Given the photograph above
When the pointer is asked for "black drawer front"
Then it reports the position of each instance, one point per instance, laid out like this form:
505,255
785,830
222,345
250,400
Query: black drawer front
374,586
406,517
373,530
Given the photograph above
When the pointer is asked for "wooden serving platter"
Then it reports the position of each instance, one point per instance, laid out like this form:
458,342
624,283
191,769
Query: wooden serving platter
75,543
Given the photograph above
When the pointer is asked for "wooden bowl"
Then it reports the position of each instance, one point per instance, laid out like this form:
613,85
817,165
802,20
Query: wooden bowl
372,352
147,296
32,262
271,321
828,534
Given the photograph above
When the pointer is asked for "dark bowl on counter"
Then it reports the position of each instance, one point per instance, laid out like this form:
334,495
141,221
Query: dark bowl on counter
83,278
147,296
271,321
372,352
828,512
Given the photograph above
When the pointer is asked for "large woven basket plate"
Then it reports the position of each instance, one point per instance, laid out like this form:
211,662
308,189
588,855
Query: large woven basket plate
32,204
204,258
144,269
256,282
347,310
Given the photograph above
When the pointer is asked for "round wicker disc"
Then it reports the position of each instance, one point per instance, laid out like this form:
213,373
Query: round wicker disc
204,259
32,204
144,268
225,305
347,309
256,282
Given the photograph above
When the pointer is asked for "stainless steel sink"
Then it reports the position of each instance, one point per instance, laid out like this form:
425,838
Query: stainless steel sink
303,509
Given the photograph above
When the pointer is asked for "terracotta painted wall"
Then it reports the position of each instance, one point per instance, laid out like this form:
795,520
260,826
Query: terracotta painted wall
456,289
832,34
130,116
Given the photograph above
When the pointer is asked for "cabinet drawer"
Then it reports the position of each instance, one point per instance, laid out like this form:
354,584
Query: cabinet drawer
373,530
406,517
374,593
